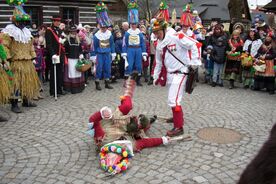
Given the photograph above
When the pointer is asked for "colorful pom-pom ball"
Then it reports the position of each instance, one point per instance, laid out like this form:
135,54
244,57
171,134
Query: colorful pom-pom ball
125,154
113,148
124,168
119,150
118,169
105,148
113,167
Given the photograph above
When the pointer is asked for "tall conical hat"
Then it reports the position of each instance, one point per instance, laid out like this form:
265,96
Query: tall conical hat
187,17
133,14
102,15
18,13
164,11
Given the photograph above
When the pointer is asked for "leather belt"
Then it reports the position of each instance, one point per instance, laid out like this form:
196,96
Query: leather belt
178,72
134,46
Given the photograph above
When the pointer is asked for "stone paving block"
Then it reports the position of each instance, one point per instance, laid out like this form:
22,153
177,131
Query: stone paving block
199,179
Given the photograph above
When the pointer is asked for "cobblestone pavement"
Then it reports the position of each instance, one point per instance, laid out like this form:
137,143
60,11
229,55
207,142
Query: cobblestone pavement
47,144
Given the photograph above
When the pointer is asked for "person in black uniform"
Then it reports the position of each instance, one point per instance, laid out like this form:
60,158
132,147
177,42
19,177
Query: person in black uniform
55,49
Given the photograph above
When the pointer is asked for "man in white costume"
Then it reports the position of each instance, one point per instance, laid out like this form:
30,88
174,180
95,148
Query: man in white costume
175,52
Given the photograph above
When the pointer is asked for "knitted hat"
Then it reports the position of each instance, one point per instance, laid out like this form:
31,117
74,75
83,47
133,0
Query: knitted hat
133,14
164,11
18,13
102,16
187,17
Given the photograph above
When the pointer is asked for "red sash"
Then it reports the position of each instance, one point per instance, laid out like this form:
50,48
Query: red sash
61,47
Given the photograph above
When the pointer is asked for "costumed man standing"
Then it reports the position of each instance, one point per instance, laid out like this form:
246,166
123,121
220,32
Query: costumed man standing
175,52
103,51
18,44
133,44
55,50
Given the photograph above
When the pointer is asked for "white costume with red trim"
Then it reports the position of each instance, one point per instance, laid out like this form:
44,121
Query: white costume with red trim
186,50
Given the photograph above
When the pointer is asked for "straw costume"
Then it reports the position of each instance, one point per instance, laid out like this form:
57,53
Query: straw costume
18,44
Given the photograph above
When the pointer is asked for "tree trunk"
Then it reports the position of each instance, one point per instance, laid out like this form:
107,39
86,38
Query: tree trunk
239,9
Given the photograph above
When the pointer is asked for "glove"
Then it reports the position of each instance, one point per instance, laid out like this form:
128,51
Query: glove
126,63
145,58
81,56
93,59
113,57
62,40
54,57
91,130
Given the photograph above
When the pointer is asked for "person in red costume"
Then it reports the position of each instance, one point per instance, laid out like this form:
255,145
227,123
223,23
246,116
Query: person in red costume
108,126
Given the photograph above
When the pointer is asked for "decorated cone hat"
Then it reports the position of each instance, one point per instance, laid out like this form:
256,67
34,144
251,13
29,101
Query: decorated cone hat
19,14
187,17
164,11
159,24
102,16
133,14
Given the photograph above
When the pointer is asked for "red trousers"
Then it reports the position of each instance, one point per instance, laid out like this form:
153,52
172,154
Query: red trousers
147,143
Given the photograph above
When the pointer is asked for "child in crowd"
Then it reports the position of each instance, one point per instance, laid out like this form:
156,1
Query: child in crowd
143,29
39,62
209,64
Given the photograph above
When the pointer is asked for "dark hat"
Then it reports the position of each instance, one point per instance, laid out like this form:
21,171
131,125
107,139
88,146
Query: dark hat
56,18
35,34
73,29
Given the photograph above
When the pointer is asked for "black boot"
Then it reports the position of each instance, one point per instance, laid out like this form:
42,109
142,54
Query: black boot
150,81
138,81
107,84
14,106
3,119
231,84
134,76
98,87
28,103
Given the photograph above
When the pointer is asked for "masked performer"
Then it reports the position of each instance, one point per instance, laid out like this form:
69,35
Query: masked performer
18,43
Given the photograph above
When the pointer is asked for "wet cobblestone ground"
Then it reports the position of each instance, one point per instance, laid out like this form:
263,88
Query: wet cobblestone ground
47,144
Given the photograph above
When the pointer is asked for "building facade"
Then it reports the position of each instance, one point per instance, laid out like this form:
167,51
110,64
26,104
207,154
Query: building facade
72,12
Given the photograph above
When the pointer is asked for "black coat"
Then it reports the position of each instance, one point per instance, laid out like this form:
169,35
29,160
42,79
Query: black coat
72,49
52,44
219,54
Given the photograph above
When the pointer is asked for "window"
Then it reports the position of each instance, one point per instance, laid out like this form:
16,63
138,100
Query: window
70,15
36,14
